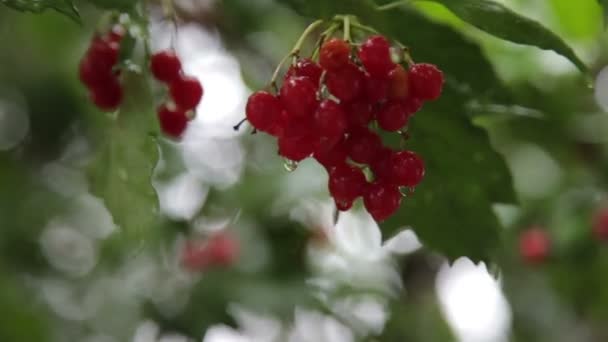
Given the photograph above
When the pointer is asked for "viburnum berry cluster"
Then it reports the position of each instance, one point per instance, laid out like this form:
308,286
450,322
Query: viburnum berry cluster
99,72
331,107
97,69
186,92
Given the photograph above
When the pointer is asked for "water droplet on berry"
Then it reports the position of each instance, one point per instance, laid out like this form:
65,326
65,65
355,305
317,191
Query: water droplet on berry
290,165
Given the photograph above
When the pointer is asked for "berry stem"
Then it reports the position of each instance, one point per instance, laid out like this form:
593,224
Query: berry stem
406,54
238,125
362,27
170,13
294,51
313,26
346,20
275,74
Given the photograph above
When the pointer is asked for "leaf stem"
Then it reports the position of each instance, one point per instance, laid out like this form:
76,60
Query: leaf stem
392,5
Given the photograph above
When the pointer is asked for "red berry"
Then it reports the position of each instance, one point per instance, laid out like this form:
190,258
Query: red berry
392,116
426,81
263,110
330,122
298,139
116,34
186,92
376,89
359,113
343,205
172,122
91,76
195,256
382,200
334,54
381,164
363,145
165,66
375,54
398,83
346,183
534,245
331,156
346,83
412,105
107,96
222,249
296,148
103,54
299,96
305,67
600,224
406,168
277,128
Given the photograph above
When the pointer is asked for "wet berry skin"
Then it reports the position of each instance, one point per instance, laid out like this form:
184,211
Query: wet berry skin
363,145
376,89
398,83
305,67
334,54
426,81
359,113
347,83
173,122
263,110
165,66
382,200
297,147
346,183
186,92
375,55
299,96
392,116
406,168
331,156
330,122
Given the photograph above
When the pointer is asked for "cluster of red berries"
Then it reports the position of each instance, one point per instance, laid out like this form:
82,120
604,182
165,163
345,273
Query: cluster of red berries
327,109
186,93
535,242
219,250
97,70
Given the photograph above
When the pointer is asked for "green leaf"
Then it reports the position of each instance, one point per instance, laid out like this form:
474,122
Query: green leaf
122,169
500,21
114,4
65,7
451,210
604,4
